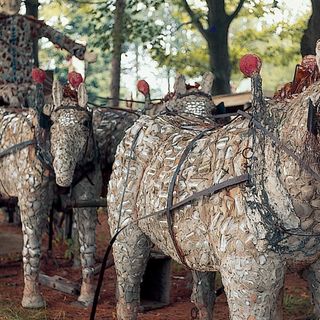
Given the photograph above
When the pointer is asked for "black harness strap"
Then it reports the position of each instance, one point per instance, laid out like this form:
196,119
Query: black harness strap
16,148
169,214
203,193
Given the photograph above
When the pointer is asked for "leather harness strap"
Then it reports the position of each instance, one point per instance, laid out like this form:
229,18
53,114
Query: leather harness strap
170,217
203,193
16,147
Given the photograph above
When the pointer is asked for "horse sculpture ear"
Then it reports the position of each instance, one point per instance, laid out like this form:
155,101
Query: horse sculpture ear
47,109
207,81
180,84
82,96
57,93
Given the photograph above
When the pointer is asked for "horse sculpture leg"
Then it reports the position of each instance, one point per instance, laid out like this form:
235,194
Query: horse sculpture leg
86,221
34,208
131,252
203,293
312,275
253,287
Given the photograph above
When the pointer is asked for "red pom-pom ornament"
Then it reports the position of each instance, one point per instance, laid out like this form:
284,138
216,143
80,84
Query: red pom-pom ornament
38,75
143,87
75,79
250,64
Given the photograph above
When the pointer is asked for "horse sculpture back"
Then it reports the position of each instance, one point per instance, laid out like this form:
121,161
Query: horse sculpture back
260,217
27,172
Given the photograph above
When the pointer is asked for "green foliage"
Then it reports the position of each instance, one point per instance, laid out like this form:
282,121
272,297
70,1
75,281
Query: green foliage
256,30
179,47
140,25
67,243
93,22
277,44
69,252
70,17
166,30
293,304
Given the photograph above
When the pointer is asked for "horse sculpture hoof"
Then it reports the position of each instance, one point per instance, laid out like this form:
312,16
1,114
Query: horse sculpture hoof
87,294
33,302
86,300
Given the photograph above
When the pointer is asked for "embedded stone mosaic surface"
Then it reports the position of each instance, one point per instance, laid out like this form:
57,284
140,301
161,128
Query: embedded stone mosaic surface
25,176
109,128
249,232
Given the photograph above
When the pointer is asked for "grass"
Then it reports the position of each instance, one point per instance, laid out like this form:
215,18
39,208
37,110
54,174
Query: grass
12,312
293,304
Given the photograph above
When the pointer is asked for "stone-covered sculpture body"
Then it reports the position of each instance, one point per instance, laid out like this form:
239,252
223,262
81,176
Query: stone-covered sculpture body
108,129
25,176
250,232
16,52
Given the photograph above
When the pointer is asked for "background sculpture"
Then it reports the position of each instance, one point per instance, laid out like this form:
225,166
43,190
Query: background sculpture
16,52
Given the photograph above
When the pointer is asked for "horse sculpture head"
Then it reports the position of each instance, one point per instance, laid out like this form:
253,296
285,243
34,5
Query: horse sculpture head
192,100
71,132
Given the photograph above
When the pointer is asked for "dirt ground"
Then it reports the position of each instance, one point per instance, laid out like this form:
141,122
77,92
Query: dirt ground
62,306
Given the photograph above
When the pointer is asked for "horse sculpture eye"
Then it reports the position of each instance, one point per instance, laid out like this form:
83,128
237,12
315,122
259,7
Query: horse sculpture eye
86,123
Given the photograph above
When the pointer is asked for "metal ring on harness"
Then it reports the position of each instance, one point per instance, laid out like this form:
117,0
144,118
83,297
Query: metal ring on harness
245,152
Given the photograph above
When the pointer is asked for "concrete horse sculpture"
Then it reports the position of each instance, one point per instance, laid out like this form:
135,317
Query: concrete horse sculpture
26,175
108,128
261,216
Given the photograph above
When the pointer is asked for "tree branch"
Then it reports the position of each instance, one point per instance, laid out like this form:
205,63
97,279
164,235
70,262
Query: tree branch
194,18
181,25
236,11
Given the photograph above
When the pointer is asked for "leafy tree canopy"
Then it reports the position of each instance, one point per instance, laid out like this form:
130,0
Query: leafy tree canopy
257,29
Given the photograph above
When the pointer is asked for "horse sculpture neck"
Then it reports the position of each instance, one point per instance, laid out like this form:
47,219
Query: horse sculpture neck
284,190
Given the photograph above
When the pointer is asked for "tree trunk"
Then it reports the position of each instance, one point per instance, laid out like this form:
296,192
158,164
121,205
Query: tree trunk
32,9
312,33
117,38
216,35
220,64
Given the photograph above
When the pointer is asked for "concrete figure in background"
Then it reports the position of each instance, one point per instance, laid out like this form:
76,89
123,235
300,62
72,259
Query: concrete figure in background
30,159
17,33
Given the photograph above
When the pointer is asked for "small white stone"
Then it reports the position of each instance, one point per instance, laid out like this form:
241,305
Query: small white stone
262,259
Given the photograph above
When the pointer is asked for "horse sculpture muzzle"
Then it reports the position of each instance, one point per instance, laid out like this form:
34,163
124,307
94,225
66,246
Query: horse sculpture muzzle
69,135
